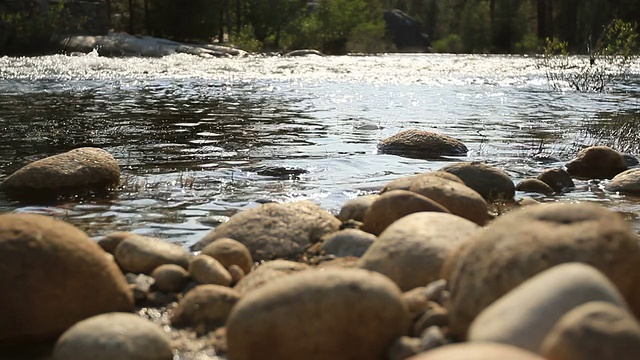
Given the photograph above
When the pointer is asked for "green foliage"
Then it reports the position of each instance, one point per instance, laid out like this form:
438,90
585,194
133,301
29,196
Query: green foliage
450,44
246,40
608,60
475,30
368,38
529,44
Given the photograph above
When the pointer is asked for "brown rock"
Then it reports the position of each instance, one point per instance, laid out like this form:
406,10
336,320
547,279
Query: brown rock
627,182
393,205
348,242
276,230
206,270
534,186
354,209
489,181
597,162
404,183
72,173
529,240
267,272
205,305
476,351
318,314
142,254
421,144
230,252
558,179
170,278
54,276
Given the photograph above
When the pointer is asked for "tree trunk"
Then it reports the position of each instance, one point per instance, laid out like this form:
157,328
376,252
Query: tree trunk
542,20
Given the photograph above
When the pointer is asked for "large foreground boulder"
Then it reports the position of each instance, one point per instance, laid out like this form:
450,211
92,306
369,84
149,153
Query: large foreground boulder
72,173
489,181
422,144
411,251
524,242
274,230
114,336
318,314
476,351
53,277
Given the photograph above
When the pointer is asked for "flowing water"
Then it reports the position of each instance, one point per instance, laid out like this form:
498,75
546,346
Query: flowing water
200,139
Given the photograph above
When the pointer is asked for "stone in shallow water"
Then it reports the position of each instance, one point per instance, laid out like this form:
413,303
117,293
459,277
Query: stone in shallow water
422,144
627,182
597,162
534,186
557,179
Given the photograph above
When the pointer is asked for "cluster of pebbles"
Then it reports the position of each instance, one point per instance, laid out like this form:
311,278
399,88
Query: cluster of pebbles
423,270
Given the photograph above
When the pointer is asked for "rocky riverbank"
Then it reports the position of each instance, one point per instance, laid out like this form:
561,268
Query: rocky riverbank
438,265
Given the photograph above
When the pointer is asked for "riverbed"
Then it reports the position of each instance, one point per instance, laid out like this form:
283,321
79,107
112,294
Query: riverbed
199,139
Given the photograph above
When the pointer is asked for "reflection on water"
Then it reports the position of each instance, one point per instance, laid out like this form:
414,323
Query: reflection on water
199,139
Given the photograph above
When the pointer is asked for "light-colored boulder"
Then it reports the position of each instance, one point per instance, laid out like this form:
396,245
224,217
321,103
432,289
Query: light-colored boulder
318,314
476,351
404,183
558,179
412,250
205,305
593,331
230,252
459,199
170,278
626,182
274,230
267,272
206,270
142,254
393,205
489,181
114,336
422,144
348,242
54,276
526,241
74,172
354,209
597,162
516,318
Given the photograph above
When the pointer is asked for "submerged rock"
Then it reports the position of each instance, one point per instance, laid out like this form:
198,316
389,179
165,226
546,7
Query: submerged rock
422,144
75,172
54,276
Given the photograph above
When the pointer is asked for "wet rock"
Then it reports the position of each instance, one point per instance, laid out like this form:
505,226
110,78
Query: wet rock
534,186
597,162
630,160
421,144
404,183
267,272
459,199
526,241
142,254
230,252
411,251
354,209
340,313
627,182
476,351
489,181
393,205
75,172
170,278
114,336
593,331
206,270
276,230
54,276
304,52
205,305
558,179
515,318
348,242
281,172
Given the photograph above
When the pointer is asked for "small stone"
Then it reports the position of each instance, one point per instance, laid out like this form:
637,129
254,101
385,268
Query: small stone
114,336
170,278
354,209
435,315
236,274
230,252
432,338
206,270
534,186
557,179
205,305
348,242
142,254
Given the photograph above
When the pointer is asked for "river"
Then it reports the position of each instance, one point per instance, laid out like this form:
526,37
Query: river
199,139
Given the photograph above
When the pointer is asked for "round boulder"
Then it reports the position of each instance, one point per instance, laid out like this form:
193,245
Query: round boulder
627,182
267,272
274,230
514,319
411,251
348,242
459,199
55,276
593,331
476,351
318,314
534,186
114,336
558,179
230,252
206,270
422,144
393,205
205,305
142,254
597,162
72,173
489,181
354,209
531,239
170,278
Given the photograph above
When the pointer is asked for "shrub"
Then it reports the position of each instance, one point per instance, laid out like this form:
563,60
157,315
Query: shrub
450,44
